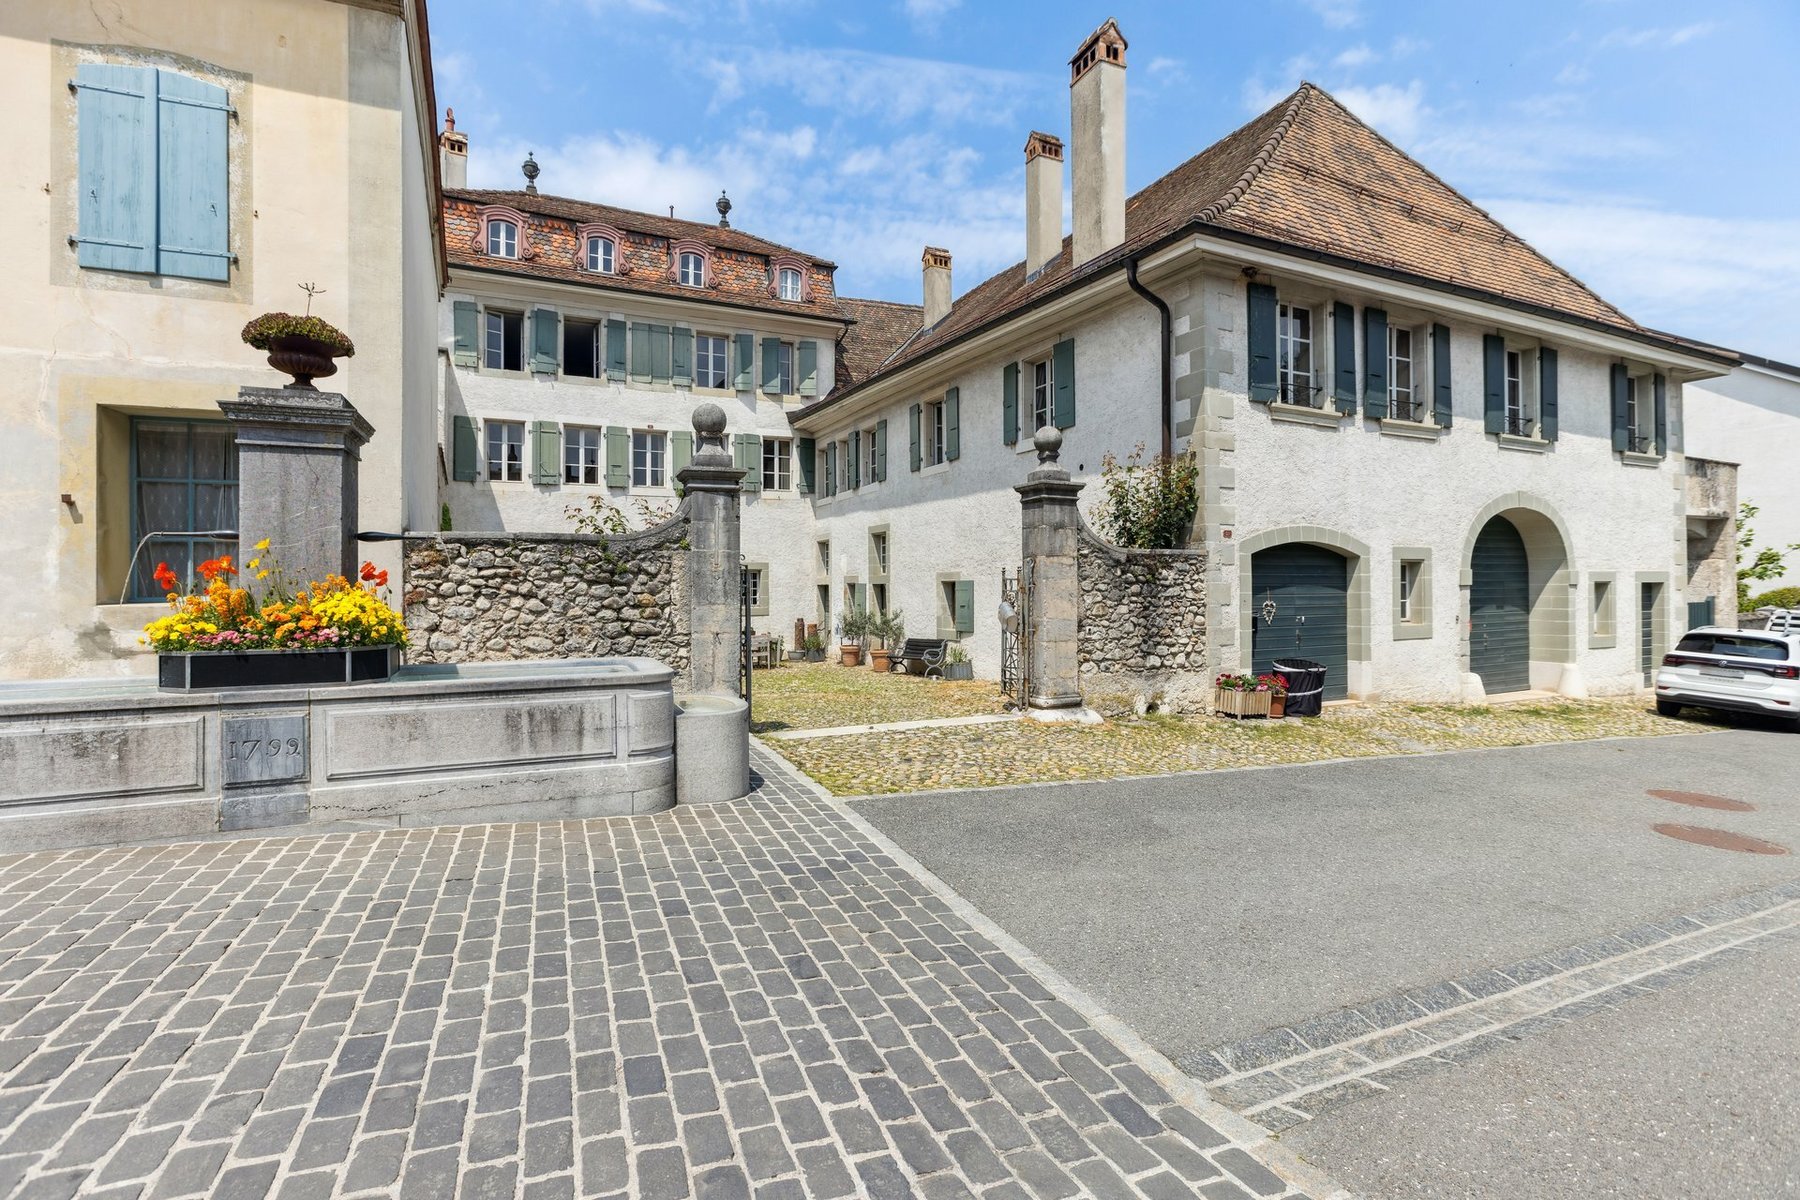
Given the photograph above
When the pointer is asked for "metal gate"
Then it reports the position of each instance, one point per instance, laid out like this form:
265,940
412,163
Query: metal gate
1015,635
745,666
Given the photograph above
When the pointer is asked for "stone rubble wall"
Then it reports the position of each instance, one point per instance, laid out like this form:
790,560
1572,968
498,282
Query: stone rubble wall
475,597
1142,628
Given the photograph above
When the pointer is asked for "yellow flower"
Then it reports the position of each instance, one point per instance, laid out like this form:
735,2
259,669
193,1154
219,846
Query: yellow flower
262,545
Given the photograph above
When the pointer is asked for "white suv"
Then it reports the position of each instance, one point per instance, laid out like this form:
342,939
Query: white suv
1736,670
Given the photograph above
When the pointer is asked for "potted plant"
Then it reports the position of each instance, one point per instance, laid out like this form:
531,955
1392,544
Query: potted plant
957,664
813,647
1277,688
219,634
853,634
302,347
1241,696
889,629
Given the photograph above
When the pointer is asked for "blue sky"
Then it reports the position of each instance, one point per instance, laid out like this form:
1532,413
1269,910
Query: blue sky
1650,148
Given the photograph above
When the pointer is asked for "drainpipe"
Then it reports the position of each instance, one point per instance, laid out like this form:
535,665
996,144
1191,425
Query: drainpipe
1168,364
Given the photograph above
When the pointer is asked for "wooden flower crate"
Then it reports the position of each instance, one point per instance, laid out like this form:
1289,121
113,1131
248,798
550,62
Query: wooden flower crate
1229,702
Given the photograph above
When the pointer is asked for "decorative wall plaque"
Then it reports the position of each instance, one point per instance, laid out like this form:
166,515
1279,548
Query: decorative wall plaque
264,749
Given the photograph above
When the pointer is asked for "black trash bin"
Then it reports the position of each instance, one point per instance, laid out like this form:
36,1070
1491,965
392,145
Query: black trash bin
1305,685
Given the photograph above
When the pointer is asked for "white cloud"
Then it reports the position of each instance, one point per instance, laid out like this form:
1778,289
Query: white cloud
1356,56
1404,46
1573,74
893,88
926,13
1397,113
622,169
1657,37
1337,14
1164,69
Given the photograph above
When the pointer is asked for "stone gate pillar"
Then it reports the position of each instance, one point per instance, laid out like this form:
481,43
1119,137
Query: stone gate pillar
1048,539
298,454
713,485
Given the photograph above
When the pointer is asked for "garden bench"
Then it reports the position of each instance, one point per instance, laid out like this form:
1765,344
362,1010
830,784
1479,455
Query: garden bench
927,652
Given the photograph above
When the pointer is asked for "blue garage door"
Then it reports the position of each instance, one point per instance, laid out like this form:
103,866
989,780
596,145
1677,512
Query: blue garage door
1500,609
1310,587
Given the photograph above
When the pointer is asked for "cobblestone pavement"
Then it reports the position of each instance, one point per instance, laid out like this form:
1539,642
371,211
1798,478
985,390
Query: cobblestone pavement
749,999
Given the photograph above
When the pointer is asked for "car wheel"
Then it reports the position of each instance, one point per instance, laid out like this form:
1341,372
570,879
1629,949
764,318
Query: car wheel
1667,708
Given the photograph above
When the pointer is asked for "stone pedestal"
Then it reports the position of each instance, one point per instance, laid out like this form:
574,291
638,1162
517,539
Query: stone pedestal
1047,508
713,485
298,453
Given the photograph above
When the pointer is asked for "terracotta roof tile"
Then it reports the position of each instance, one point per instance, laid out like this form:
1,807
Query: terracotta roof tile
881,327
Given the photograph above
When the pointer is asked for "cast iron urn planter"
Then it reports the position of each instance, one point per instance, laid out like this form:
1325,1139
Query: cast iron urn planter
302,347
304,358
195,670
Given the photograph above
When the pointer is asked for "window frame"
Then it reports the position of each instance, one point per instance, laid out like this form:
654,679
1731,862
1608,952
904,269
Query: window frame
682,261
607,264
871,464
1414,402
571,325
191,482
503,315
490,426
936,427
655,452
723,357
777,464
782,276
509,243
1043,395
575,439
1286,368
1640,413
1527,421
785,368
1603,610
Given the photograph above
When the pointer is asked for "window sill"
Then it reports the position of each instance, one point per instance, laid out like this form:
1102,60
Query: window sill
1424,431
1633,458
1411,631
1603,641
1531,445
1300,414
935,468
503,373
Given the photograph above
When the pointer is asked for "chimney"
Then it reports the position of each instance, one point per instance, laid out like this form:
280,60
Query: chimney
1043,201
1097,122
937,285
453,153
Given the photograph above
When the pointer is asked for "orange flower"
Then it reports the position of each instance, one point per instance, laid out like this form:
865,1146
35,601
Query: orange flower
214,568
165,578
368,572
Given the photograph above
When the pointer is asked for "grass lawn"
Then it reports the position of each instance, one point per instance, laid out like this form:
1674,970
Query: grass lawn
822,696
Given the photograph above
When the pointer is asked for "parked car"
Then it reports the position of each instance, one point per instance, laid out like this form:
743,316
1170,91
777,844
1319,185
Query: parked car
1734,670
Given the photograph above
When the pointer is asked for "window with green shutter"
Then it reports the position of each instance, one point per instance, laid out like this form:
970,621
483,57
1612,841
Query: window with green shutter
1493,382
881,450
1375,366
546,341
546,453
465,322
641,337
615,349
1660,386
748,454
661,370
771,372
831,482
1441,408
744,379
808,354
912,418
953,424
1262,332
463,464
806,453
853,460
1547,399
1009,404
965,606
1062,359
618,457
1343,353
683,370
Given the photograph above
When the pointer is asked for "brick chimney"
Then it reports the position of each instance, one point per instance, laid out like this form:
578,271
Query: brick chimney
937,285
453,153
1043,201
1097,123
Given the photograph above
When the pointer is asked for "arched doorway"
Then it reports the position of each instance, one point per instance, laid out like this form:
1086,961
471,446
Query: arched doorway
1500,608
1300,609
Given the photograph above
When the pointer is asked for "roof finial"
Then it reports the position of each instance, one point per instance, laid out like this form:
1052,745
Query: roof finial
724,206
530,168
449,120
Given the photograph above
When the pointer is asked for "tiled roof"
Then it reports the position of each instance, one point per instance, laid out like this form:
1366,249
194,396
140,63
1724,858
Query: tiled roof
1307,173
880,328
740,261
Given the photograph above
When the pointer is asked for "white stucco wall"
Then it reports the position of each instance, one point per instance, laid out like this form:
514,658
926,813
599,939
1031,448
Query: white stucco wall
1752,417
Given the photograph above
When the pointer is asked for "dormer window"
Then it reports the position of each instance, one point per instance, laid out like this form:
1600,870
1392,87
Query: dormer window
501,233
502,239
787,279
788,284
602,255
600,248
692,270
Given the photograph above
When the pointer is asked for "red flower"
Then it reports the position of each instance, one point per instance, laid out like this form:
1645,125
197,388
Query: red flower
371,575
165,578
212,568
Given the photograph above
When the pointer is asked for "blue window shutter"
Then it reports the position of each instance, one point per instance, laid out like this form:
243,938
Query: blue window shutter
746,363
880,451
615,349
1062,368
912,417
1547,393
1493,381
618,457
965,606
771,353
546,341
1621,408
546,453
1375,365
1009,404
681,450
953,423
193,204
1343,353
1261,333
462,449
807,367
806,451
465,322
1441,410
684,357
1661,387
115,115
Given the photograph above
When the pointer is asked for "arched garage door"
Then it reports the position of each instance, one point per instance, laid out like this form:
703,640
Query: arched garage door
1500,609
1310,587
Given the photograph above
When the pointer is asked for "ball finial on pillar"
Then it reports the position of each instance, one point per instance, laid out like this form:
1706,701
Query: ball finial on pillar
1048,441
709,433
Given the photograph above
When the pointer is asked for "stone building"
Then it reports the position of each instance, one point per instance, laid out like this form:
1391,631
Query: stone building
186,173
1752,417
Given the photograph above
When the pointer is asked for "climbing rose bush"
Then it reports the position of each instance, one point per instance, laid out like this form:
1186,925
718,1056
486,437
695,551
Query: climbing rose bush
217,614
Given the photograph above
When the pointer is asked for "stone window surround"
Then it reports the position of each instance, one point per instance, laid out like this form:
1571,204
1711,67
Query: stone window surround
1324,345
1659,619
759,604
822,560
1356,601
879,571
489,213
681,246
523,312
594,229
946,608
1603,618
1420,626
789,262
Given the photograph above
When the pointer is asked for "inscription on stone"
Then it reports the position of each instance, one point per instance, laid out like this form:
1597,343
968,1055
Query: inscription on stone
264,749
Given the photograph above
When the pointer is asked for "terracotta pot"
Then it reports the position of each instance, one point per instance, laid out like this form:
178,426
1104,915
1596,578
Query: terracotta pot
1277,705
304,358
850,655
880,658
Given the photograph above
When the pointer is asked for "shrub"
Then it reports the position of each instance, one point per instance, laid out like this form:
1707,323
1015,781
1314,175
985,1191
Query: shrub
263,332
1148,505
1787,597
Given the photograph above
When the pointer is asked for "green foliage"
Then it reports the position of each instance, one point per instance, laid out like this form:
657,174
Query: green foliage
1753,564
605,520
857,625
1787,597
444,524
263,332
889,628
1148,505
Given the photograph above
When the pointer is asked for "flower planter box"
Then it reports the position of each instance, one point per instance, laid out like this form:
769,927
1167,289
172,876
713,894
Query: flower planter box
201,669
1228,702
960,670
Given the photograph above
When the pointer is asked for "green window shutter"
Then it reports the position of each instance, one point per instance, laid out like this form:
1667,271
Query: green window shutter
831,486
546,341
861,601
1621,409
1493,381
1261,333
684,357
640,351
1547,393
953,423
965,606
659,353
1062,366
615,349
1009,404
681,450
1660,384
853,460
1375,365
1441,410
771,354
546,453
462,449
880,451
116,128
465,323
912,416
1343,353
750,460
806,451
618,457
807,367
746,363
193,178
